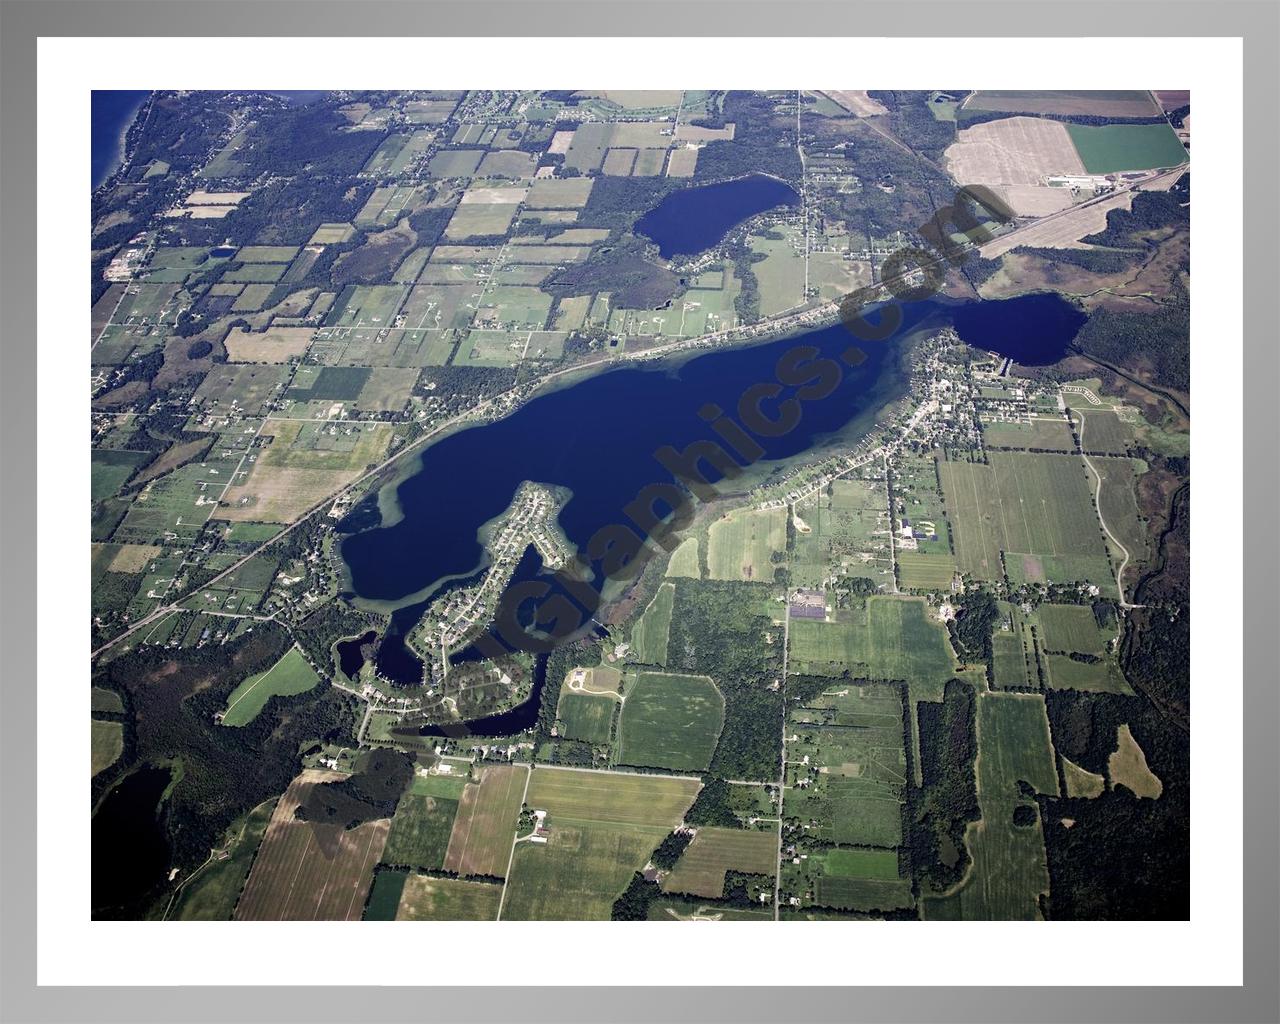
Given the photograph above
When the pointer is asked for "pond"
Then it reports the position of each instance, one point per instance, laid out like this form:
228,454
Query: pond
693,219
130,851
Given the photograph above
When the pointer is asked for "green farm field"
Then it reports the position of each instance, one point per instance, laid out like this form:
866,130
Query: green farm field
420,831
1126,147
291,675
741,544
1009,870
425,898
670,721
650,633
1035,505
701,868
888,638
585,716
603,827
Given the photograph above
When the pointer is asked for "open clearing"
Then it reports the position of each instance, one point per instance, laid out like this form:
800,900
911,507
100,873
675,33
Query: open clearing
701,868
486,823
291,675
1080,782
1127,766
650,634
1012,151
740,544
107,744
306,871
1063,232
670,721
303,464
448,899
856,101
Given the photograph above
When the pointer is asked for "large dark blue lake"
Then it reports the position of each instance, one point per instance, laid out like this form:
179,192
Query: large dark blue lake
598,439
111,113
693,219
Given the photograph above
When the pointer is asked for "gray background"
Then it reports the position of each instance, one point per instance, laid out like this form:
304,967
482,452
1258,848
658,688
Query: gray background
21,23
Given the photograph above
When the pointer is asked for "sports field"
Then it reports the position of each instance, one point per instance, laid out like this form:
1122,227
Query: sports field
480,842
670,721
307,871
701,868
741,544
291,675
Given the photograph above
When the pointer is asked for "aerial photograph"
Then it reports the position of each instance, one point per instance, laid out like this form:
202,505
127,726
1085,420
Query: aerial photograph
669,505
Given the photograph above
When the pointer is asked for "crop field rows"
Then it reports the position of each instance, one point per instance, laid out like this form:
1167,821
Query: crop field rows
307,871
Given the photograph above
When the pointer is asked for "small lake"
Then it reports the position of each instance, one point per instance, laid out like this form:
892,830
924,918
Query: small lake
130,851
1033,329
693,219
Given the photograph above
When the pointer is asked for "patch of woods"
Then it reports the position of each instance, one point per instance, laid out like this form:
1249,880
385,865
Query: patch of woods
370,793
717,630
763,141
376,258
970,630
1123,858
1156,343
636,282
712,806
173,696
938,811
